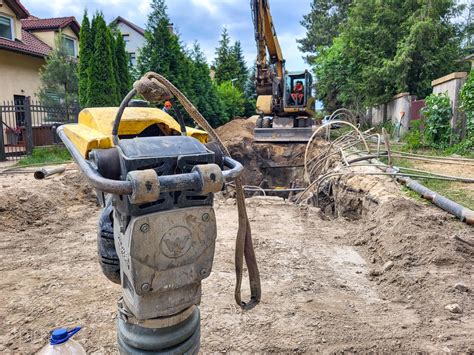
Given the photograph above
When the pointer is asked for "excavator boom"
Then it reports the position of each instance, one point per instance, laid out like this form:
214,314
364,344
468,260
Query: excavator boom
265,36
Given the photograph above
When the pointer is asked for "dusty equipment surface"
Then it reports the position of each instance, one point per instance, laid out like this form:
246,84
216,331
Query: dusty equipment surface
157,229
284,98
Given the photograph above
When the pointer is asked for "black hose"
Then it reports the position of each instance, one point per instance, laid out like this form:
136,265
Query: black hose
118,116
180,118
366,157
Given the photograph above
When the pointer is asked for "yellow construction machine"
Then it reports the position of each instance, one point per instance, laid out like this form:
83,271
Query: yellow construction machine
94,128
156,179
285,104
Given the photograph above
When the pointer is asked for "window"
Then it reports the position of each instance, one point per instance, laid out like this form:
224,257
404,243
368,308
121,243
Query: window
69,46
132,58
6,27
126,38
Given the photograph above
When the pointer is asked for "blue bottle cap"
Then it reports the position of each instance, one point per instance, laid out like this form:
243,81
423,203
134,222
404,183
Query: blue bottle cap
61,335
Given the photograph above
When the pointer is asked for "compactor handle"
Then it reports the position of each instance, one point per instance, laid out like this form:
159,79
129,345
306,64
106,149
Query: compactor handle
167,183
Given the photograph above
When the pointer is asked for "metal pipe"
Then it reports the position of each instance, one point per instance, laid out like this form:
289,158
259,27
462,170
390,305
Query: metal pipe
463,213
168,183
43,173
235,169
115,187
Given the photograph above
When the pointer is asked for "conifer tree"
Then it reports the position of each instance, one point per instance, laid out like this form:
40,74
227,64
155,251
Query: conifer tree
162,52
59,82
102,90
225,64
86,48
123,69
113,48
206,99
242,72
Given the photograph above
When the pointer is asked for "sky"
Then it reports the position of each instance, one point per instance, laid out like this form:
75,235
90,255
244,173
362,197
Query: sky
197,20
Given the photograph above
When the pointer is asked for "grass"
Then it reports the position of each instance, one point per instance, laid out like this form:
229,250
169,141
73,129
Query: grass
435,152
46,155
448,189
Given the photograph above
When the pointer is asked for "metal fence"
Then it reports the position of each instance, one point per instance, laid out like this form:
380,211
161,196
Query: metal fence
26,124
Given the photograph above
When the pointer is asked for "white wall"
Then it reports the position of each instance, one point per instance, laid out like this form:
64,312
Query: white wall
392,111
136,40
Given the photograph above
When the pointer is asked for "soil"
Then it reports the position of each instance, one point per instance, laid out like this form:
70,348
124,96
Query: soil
376,278
266,165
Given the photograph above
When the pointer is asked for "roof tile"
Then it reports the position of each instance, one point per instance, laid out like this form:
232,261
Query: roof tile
30,44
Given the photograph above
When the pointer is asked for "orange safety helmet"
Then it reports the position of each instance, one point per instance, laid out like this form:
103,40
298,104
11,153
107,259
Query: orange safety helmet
168,104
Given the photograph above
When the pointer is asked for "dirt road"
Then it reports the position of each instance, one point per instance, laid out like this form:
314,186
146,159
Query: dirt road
377,283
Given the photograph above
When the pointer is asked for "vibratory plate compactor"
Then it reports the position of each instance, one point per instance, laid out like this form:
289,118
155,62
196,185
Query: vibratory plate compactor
155,179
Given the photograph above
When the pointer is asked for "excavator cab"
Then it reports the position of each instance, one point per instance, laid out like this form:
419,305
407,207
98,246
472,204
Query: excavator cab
297,89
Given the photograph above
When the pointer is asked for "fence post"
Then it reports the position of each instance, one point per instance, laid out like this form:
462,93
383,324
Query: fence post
3,156
28,126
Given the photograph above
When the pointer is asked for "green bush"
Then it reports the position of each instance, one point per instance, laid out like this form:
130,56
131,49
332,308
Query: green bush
467,103
465,147
232,101
414,138
437,114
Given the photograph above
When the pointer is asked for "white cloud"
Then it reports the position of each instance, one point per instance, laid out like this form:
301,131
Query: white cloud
209,5
289,47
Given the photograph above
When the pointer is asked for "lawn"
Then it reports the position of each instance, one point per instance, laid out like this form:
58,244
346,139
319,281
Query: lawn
46,155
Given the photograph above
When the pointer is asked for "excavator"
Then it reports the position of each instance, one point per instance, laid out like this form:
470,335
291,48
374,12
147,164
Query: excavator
285,104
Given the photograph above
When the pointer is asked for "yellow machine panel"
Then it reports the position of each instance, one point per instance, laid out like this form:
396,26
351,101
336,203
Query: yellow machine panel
94,127
264,104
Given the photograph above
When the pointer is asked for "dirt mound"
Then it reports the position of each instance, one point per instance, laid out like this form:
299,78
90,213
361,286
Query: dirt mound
266,165
237,129
417,251
43,202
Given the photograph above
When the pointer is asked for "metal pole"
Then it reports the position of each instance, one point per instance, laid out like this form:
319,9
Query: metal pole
28,125
3,156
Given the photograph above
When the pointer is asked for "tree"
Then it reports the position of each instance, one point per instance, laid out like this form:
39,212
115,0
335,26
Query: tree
206,98
123,69
86,48
113,49
232,101
102,81
323,24
155,53
387,47
250,93
59,82
226,64
242,72
467,27
162,51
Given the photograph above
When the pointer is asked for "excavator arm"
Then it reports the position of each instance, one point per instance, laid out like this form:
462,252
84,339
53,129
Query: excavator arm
268,69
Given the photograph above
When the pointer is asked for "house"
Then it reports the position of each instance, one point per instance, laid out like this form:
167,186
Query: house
133,35
25,42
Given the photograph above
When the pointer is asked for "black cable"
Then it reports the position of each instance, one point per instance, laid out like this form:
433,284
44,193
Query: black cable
180,118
